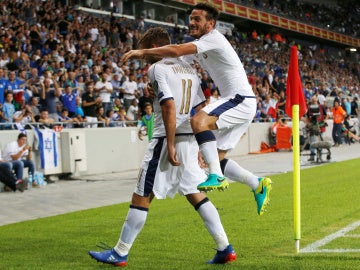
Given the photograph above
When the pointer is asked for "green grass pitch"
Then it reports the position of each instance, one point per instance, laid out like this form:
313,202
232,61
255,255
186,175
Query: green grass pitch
175,238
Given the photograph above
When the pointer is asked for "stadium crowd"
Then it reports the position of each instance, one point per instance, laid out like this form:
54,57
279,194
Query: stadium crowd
337,16
61,65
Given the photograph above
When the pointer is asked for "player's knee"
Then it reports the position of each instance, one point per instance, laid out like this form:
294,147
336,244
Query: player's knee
140,201
200,203
197,123
196,199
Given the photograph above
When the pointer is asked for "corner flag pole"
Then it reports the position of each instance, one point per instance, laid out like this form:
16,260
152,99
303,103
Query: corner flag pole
295,107
296,176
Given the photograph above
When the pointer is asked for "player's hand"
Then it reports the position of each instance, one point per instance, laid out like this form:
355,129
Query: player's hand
137,54
201,161
172,156
151,90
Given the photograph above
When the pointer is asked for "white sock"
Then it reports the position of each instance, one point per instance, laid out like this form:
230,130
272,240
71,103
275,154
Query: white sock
133,224
212,222
235,172
211,157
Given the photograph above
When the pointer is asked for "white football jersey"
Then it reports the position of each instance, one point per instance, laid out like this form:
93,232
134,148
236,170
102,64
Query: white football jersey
173,78
217,56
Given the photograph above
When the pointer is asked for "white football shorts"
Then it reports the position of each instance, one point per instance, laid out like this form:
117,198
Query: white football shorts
157,175
234,118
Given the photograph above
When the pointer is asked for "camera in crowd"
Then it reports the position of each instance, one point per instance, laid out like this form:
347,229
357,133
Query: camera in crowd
314,109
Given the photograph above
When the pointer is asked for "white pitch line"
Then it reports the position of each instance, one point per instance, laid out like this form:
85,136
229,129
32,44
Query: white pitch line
352,235
338,250
314,247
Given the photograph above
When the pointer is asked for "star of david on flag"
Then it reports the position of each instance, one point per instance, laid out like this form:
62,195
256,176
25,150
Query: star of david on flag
47,148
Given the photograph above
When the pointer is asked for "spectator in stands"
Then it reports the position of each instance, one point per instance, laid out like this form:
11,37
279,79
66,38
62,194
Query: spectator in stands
346,105
281,102
68,100
123,118
107,72
33,82
354,107
147,122
22,62
338,114
104,89
145,98
45,119
2,119
8,167
115,41
102,39
117,119
50,91
142,82
267,104
349,131
132,112
51,42
101,117
116,84
79,113
9,110
68,121
19,154
34,107
308,92
90,103
334,92
14,86
24,116
129,90
73,83
4,59
2,85
117,105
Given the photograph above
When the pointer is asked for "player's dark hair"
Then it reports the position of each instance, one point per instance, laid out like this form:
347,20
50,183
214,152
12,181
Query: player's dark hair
211,12
154,36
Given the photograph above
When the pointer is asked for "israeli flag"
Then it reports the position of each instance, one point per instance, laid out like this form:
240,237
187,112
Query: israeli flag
47,148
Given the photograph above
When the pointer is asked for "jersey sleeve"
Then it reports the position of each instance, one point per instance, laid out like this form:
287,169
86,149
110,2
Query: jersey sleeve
157,76
206,43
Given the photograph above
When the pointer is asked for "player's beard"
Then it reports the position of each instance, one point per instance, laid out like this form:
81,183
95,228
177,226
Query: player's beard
197,31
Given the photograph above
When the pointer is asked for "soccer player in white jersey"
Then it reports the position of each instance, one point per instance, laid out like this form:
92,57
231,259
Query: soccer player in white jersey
169,165
218,126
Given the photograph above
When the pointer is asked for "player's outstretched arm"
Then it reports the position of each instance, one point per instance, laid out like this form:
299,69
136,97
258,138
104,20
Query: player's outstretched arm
164,51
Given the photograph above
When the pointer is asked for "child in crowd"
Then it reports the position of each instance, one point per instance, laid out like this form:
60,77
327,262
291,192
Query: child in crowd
147,122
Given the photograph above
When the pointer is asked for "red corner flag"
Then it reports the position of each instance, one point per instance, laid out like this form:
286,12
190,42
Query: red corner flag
294,93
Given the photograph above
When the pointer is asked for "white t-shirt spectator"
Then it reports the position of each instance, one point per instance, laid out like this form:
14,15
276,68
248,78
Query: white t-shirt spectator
94,32
131,88
132,112
12,149
104,94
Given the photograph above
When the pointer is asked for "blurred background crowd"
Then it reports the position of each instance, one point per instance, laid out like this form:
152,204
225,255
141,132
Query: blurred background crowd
60,65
